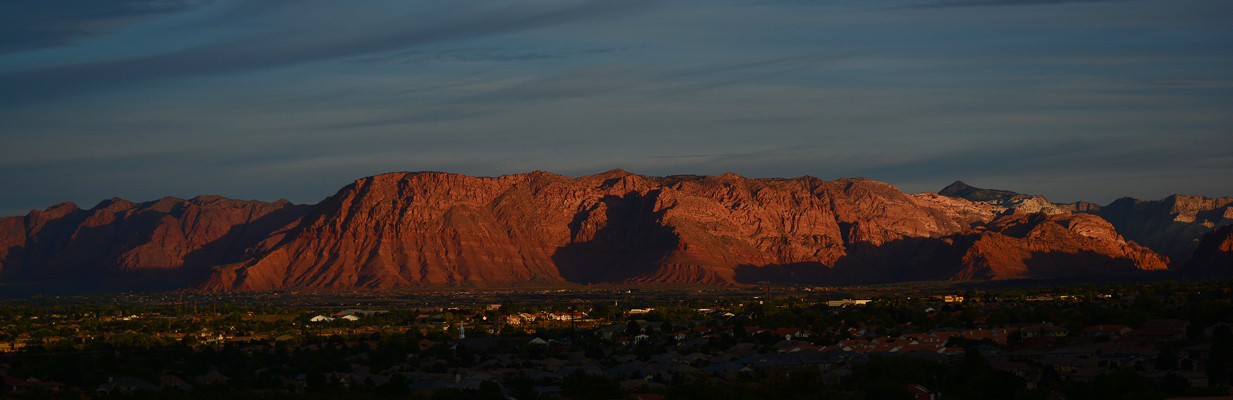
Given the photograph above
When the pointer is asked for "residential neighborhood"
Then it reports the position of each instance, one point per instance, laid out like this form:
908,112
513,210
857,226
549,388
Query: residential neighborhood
1094,342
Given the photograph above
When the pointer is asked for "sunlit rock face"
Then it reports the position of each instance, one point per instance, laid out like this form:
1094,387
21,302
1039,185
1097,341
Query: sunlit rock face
437,229
431,229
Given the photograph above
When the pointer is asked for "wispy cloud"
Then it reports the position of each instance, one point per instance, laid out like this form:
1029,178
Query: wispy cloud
996,3
300,45
466,54
29,25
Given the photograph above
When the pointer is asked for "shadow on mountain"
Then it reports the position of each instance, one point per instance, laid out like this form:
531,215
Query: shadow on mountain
66,257
933,259
905,259
1083,264
234,245
630,242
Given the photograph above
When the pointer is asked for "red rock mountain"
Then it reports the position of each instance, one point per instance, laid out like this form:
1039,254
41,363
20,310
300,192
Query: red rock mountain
121,245
436,229
432,229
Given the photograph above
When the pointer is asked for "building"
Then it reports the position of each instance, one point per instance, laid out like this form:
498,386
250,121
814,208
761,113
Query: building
847,302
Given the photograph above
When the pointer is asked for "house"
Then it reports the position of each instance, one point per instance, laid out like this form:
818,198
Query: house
1025,355
1179,325
1109,330
847,302
1067,365
357,312
921,393
320,318
127,385
1019,369
19,386
1196,352
789,333
1044,330
503,343
1075,352
211,377
567,316
1155,334
175,382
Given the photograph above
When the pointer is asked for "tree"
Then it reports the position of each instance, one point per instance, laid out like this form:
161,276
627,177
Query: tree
1220,362
1166,360
632,329
489,390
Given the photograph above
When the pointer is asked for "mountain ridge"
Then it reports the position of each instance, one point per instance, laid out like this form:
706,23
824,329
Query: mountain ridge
435,229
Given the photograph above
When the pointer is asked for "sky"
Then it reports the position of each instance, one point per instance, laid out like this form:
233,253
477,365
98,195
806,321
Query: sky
267,99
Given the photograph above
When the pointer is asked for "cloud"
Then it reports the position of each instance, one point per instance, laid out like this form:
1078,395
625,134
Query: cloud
991,3
30,25
502,96
301,44
466,54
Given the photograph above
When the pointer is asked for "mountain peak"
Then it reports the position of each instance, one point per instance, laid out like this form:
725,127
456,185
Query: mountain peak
954,188
965,191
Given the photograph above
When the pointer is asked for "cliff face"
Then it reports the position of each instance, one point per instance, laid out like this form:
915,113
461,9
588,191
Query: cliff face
1214,255
120,245
433,229
1171,226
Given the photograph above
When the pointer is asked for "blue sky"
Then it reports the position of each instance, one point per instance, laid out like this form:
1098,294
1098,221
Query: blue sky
268,99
